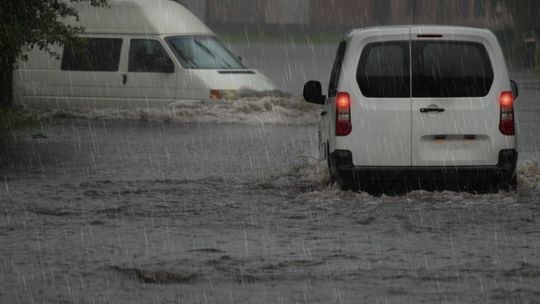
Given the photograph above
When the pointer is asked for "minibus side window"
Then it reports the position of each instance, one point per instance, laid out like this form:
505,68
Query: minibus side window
384,70
93,54
147,56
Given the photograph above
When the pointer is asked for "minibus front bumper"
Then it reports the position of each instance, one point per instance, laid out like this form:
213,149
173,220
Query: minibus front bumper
428,178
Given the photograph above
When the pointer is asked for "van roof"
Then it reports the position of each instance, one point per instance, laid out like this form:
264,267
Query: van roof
156,17
431,29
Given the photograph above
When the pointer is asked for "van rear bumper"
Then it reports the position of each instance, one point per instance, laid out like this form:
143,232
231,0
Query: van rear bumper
439,177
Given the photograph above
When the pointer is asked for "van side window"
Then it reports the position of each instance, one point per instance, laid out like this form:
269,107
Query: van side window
336,70
146,55
384,70
450,69
94,54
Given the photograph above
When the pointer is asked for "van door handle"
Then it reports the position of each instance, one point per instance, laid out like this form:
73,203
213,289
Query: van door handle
427,110
124,79
323,113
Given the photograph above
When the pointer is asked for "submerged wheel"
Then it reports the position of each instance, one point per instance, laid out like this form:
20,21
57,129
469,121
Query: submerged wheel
514,182
511,185
345,184
329,163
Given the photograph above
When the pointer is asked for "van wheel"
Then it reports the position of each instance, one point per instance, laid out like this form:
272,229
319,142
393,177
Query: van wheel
329,163
513,183
344,183
347,185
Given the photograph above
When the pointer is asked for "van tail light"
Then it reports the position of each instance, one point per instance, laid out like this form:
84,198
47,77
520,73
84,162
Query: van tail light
343,114
506,124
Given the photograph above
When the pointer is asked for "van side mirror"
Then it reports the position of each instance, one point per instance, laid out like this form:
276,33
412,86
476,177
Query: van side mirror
165,65
313,92
515,89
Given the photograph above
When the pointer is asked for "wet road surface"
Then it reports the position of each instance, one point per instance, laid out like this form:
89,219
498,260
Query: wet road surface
101,209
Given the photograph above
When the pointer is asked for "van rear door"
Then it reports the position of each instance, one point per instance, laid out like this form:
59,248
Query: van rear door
381,102
454,108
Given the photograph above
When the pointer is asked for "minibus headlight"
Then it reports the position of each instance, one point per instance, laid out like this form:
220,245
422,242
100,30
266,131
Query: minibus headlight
224,94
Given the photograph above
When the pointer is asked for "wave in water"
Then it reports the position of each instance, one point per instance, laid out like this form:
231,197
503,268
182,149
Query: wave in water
316,175
252,109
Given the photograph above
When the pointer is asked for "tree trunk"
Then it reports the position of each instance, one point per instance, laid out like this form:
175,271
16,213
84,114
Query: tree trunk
6,80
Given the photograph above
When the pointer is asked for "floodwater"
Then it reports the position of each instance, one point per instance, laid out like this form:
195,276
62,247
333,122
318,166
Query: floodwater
197,205
298,62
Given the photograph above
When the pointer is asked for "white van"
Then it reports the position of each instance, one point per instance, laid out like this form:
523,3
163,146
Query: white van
137,53
427,107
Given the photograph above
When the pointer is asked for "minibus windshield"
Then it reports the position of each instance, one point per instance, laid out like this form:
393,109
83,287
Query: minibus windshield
203,52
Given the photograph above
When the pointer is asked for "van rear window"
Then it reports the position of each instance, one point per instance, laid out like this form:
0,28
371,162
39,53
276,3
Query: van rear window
439,69
450,69
384,70
94,54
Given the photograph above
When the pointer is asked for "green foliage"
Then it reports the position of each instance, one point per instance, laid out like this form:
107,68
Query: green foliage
26,24
12,119
536,71
526,14
526,17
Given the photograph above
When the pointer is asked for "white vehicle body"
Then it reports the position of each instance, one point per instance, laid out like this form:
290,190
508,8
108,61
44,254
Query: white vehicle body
414,110
120,71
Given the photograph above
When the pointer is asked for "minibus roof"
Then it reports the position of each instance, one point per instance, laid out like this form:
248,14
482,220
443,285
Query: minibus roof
146,17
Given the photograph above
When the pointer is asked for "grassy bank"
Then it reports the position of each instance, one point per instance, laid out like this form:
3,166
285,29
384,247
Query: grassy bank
13,119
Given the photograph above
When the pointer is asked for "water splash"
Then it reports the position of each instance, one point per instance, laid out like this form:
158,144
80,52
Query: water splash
529,176
275,109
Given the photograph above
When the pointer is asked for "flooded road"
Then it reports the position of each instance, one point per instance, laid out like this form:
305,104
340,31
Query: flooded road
228,204
298,62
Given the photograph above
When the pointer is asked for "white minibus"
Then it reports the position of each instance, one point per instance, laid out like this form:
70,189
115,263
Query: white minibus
135,53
